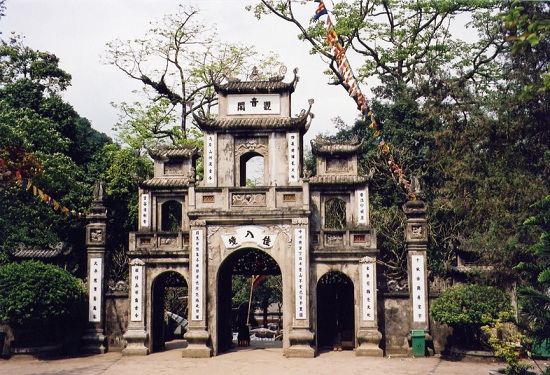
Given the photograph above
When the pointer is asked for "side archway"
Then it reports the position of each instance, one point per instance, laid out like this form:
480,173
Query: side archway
169,296
335,312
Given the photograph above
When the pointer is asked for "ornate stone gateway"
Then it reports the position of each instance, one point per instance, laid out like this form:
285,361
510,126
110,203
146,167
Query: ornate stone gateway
315,229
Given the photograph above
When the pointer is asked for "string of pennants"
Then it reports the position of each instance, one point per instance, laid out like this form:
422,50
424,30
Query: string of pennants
29,186
355,92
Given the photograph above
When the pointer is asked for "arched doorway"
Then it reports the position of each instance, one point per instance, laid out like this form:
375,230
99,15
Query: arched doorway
169,301
335,312
252,169
249,280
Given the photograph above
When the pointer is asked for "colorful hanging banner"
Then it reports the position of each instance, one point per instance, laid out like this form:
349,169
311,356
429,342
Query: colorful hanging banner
27,185
354,91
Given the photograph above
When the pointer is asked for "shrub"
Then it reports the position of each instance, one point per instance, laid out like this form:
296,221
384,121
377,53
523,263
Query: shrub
466,308
34,295
506,342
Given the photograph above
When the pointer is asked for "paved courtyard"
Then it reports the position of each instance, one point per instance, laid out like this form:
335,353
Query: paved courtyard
243,361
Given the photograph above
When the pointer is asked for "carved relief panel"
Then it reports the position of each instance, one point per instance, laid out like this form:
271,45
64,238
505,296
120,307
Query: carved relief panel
337,165
252,144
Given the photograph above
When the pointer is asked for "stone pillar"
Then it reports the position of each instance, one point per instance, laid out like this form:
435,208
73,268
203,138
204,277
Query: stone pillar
197,334
301,336
136,336
94,340
368,335
416,236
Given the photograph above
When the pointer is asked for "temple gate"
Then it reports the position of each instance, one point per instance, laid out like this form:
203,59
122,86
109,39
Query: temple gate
315,230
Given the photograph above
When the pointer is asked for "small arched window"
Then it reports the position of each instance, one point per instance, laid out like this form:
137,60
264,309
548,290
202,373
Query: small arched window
252,169
335,213
171,216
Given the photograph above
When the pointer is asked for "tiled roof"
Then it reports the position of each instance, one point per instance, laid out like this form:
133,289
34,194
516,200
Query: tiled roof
256,87
166,182
245,123
164,153
37,253
337,179
319,146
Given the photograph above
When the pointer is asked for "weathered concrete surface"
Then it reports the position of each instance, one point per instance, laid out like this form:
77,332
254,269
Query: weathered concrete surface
242,361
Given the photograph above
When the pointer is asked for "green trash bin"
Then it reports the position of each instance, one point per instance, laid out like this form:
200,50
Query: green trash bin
418,343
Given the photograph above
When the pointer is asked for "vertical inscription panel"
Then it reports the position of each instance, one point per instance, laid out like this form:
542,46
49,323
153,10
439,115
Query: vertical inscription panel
96,289
210,158
197,274
300,272
362,208
418,288
367,280
145,213
136,304
293,159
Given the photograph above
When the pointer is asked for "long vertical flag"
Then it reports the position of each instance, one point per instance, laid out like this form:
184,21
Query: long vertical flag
354,91
255,280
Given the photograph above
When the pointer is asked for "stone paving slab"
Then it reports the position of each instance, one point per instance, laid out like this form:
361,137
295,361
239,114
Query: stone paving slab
244,361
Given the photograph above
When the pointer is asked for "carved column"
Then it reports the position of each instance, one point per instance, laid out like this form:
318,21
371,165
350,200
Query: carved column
301,336
197,334
368,336
416,236
136,336
94,340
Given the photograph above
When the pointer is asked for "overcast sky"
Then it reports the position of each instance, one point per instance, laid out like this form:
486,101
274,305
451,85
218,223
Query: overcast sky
77,30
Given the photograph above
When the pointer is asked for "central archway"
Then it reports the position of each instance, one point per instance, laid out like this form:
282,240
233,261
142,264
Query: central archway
247,279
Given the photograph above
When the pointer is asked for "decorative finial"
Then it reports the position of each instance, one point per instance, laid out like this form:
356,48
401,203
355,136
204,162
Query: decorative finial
255,75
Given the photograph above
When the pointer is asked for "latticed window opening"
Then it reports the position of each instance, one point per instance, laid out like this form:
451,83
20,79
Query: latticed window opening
335,213
171,216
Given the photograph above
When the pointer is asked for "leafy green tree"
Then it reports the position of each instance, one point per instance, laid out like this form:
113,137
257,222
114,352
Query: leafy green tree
528,24
403,42
177,62
453,114
121,169
496,162
43,148
534,299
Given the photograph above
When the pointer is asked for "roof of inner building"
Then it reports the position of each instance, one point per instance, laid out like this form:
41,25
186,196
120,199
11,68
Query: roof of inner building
165,182
322,147
37,253
164,153
337,180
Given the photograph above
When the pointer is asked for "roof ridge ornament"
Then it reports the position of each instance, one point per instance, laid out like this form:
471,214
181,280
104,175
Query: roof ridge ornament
255,75
279,77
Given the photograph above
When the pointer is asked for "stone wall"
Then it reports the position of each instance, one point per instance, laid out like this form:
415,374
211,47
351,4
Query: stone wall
117,305
395,325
